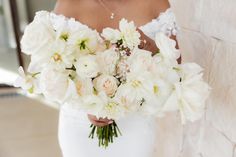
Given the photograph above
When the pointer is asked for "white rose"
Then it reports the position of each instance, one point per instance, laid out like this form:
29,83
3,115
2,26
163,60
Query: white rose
129,34
112,35
54,84
106,83
87,67
140,60
127,98
108,60
38,35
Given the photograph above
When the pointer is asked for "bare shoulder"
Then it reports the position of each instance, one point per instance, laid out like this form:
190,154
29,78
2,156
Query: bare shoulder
159,6
68,8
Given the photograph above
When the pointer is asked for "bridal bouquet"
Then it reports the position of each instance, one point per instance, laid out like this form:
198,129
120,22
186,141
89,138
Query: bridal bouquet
106,74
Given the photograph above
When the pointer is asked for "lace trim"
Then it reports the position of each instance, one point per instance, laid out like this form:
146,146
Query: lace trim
166,23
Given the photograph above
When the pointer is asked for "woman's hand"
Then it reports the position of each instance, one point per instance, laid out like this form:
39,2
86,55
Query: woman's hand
150,44
147,43
99,122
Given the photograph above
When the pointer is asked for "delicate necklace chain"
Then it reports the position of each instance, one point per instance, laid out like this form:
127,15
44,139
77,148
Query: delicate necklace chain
112,16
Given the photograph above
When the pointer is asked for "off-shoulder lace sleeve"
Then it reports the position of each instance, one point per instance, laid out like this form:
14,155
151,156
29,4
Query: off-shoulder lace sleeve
166,23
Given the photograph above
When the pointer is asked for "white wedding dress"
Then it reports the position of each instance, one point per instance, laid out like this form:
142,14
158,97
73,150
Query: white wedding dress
138,132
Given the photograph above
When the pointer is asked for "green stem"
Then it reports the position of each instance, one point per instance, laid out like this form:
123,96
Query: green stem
105,134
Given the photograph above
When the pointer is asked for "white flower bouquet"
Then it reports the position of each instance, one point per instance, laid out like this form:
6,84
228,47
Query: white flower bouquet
106,74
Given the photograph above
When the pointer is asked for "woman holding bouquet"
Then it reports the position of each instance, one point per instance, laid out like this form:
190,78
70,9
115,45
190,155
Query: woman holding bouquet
138,132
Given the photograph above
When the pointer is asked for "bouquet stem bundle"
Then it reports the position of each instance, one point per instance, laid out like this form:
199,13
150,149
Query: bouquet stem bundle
105,134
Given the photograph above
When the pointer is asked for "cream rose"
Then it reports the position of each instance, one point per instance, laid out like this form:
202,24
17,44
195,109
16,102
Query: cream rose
106,83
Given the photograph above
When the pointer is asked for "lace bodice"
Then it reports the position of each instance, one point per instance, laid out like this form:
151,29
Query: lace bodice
166,23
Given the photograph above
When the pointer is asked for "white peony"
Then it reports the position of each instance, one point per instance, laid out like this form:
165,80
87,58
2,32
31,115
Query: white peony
190,94
54,84
38,35
129,34
87,67
112,35
106,83
108,60
28,82
128,98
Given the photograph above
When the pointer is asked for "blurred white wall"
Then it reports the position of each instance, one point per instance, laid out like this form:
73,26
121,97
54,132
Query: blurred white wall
208,37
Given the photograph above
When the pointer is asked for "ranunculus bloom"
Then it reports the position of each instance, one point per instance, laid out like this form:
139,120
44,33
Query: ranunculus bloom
107,61
87,67
129,34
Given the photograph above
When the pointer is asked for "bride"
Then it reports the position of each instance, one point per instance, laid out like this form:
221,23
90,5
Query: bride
138,132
